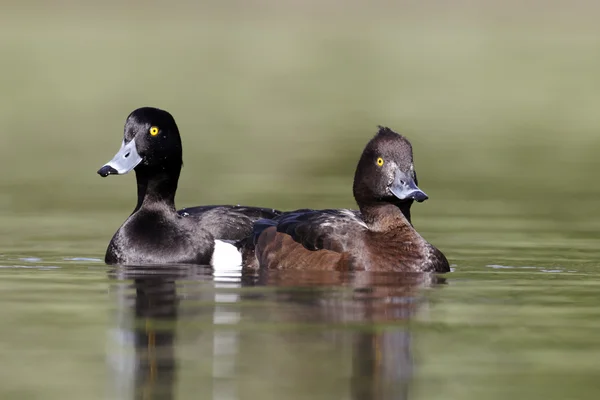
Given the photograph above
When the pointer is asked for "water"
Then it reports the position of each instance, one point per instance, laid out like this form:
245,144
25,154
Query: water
514,319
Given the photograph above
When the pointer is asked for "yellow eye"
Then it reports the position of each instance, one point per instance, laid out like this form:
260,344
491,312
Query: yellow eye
380,161
154,131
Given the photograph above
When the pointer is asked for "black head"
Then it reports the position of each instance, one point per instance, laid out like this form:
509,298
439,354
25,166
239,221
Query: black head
385,172
150,140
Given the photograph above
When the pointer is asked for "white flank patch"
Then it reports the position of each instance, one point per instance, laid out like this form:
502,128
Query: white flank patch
226,257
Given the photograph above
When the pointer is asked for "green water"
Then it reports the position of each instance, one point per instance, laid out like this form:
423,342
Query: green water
517,318
275,101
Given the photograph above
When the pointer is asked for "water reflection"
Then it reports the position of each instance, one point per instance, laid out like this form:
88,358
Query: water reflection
270,335
147,309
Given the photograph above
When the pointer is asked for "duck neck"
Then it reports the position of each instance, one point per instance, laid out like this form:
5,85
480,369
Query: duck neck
404,207
156,186
386,216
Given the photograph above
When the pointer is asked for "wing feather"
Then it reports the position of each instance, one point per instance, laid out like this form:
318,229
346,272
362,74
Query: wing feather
228,222
333,229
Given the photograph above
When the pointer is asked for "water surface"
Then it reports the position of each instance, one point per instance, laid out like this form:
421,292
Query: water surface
514,319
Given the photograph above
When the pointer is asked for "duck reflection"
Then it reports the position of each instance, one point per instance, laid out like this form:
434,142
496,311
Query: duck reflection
145,365
373,312
266,335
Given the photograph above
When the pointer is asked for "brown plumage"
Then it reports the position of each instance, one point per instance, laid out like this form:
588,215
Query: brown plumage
379,237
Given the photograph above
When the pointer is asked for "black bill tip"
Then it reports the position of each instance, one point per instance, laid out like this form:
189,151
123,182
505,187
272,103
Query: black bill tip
419,196
106,171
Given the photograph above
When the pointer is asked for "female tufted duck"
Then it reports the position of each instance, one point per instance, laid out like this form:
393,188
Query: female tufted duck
155,233
379,237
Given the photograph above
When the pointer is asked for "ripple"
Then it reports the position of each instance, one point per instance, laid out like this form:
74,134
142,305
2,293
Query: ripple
36,267
30,259
546,270
496,266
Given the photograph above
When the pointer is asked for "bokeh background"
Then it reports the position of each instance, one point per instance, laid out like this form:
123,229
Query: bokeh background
275,100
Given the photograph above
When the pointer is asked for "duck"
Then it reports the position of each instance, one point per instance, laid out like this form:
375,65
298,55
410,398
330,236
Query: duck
379,236
156,232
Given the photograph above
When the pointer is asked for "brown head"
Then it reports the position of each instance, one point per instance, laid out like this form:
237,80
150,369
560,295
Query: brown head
385,173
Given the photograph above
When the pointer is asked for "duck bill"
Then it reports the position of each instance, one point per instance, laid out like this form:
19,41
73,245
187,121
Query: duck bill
126,159
405,188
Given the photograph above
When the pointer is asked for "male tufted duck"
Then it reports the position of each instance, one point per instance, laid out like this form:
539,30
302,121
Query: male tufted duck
155,233
379,237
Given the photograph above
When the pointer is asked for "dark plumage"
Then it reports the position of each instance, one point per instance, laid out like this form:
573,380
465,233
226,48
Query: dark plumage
379,237
155,233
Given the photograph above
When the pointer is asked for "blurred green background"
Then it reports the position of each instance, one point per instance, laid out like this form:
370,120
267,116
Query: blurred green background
275,100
